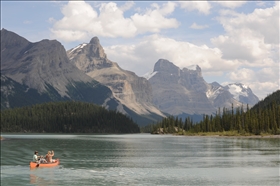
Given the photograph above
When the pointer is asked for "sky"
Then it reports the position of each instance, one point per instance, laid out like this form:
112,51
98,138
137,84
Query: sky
231,41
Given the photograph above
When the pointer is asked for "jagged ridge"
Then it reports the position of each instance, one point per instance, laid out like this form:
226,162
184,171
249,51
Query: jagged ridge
132,91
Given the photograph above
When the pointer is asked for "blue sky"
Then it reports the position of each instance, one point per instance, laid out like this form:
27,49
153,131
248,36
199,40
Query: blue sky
232,41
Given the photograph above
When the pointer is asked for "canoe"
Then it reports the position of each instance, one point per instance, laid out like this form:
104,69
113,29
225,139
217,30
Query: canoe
34,165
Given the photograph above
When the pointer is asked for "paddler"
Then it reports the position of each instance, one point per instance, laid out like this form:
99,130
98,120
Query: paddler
35,158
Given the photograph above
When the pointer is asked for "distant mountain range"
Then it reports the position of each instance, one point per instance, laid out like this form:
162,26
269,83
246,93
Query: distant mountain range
43,71
184,91
40,72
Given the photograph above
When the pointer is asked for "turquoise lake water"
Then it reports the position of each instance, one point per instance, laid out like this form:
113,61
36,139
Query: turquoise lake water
141,159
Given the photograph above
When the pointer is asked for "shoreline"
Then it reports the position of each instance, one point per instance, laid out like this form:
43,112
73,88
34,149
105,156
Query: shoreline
203,135
223,134
233,136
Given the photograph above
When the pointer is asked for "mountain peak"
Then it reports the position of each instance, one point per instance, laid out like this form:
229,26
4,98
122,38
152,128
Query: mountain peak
95,41
242,93
164,65
194,67
10,39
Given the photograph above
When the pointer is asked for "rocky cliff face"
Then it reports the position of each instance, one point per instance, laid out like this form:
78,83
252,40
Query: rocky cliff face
14,94
181,92
132,91
177,91
38,64
45,67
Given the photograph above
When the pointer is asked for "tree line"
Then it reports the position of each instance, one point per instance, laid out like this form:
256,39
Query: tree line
66,117
264,117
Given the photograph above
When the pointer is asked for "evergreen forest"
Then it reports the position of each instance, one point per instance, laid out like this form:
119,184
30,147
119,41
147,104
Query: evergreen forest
66,117
262,118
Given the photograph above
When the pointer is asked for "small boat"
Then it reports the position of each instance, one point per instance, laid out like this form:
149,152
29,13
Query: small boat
34,165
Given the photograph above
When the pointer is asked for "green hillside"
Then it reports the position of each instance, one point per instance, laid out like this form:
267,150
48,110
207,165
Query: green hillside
266,103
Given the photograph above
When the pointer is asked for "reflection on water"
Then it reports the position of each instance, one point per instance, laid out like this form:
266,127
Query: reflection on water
141,160
40,181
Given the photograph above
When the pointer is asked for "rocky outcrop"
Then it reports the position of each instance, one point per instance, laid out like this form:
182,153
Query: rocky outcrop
44,70
184,92
132,91
38,64
177,91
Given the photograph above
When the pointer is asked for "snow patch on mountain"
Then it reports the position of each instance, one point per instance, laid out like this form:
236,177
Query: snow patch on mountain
150,75
213,93
238,89
78,47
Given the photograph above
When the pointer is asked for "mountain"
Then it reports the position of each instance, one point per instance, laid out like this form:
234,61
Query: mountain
236,93
220,97
38,64
242,93
184,92
134,92
42,72
14,94
268,102
177,91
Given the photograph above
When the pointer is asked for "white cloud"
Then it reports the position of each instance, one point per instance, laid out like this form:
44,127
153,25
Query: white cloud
201,6
113,23
183,54
199,27
251,37
253,40
231,4
268,74
168,8
242,74
262,89
81,21
153,20
260,81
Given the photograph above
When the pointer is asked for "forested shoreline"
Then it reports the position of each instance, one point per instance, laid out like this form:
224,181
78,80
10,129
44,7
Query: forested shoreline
263,118
66,117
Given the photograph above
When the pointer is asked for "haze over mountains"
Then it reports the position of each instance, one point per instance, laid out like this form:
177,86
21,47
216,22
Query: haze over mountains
43,71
